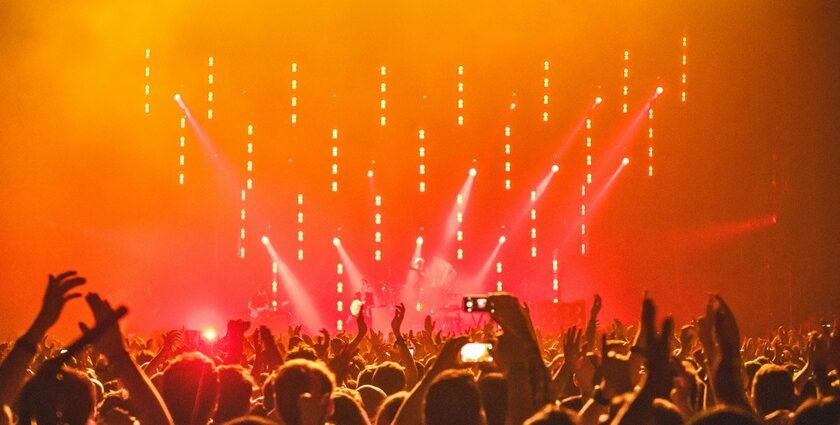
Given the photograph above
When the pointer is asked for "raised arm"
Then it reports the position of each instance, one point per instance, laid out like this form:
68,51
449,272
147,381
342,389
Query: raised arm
406,360
147,404
13,368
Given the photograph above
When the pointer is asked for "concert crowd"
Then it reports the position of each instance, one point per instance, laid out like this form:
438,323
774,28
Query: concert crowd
650,372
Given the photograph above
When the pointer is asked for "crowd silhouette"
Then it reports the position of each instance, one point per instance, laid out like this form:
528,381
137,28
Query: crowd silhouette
704,372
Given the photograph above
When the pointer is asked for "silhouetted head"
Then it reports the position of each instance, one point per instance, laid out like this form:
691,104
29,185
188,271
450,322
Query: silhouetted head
825,411
552,414
190,388
303,381
62,397
235,389
348,409
453,398
725,415
389,377
772,389
372,398
388,410
494,395
666,413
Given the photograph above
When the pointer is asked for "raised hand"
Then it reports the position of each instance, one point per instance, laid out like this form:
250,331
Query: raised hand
396,322
57,295
322,344
428,324
111,343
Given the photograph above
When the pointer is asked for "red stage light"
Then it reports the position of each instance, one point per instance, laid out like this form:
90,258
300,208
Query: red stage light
502,239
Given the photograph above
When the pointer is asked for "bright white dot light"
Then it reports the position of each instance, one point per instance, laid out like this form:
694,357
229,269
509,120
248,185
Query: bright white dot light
659,90
177,97
502,239
473,172
209,334
370,173
264,240
336,241
555,168
598,100
419,240
625,161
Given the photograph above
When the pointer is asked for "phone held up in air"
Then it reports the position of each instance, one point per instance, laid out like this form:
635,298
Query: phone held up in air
476,352
477,303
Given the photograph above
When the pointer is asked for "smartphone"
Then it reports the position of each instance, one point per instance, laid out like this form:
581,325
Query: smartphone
476,352
476,303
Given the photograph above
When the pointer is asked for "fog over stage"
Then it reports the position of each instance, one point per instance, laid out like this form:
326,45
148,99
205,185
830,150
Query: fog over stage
205,162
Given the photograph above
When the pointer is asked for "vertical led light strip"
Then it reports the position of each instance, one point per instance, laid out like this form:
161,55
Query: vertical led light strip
339,289
182,143
382,101
460,94
533,224
546,67
555,281
683,68
294,99
377,233
421,154
507,158
584,187
377,226
650,141
147,86
210,83
625,89
459,233
300,226
334,165
249,184
499,284
273,286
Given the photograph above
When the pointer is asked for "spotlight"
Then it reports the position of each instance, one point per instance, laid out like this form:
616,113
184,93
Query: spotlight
209,334
419,240
625,161
502,239
472,172
512,106
598,100
264,240
659,90
370,174
177,97
336,241
555,168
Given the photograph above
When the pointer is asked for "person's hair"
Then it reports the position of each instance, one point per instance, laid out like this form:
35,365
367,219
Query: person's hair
295,378
302,352
348,409
66,397
365,376
453,398
825,411
250,420
494,394
666,413
388,409
724,415
772,389
235,389
190,388
389,377
552,414
372,398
